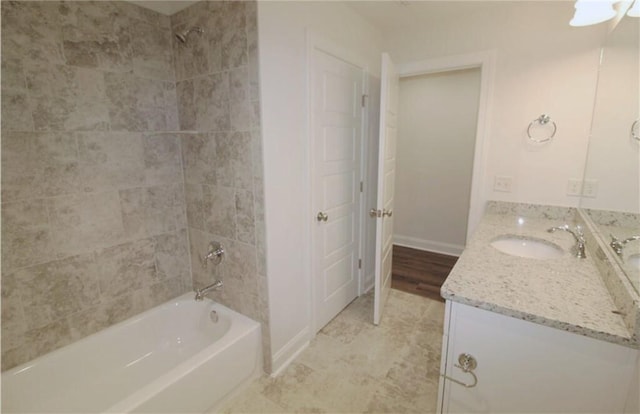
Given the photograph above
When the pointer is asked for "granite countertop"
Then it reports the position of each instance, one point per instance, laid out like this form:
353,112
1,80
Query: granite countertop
565,293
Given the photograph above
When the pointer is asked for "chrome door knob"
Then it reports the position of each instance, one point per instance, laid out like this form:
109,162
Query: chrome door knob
387,213
322,216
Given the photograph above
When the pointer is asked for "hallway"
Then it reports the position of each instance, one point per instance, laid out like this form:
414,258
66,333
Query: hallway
353,366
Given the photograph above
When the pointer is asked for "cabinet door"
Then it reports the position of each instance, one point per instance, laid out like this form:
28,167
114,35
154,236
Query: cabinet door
526,367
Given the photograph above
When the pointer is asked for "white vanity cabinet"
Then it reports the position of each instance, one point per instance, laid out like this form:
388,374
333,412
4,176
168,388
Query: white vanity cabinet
527,367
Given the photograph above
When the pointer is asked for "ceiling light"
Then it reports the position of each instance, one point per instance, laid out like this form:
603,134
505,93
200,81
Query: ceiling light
634,11
592,12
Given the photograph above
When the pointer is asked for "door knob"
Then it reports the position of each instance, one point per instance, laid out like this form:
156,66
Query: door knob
375,213
387,213
322,216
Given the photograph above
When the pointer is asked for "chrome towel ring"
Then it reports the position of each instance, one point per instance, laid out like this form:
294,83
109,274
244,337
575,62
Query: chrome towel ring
635,133
542,120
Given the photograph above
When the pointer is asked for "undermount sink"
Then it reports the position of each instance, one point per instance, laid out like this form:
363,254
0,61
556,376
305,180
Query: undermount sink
529,247
634,261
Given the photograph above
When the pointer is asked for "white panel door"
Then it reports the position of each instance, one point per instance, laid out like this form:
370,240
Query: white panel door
386,180
337,134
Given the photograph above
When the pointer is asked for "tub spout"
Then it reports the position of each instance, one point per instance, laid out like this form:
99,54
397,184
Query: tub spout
201,292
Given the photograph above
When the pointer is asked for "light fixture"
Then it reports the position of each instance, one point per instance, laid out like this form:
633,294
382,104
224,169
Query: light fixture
593,12
634,11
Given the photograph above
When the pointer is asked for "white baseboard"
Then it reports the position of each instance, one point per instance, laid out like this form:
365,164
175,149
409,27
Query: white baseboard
289,352
428,245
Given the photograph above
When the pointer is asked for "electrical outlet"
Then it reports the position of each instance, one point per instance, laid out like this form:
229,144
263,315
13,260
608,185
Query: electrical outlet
574,187
590,188
502,183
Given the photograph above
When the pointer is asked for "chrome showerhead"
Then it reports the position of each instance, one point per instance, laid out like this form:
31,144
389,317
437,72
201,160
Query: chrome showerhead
182,37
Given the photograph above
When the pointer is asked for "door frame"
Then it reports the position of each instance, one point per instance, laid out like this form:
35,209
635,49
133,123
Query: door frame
316,42
486,62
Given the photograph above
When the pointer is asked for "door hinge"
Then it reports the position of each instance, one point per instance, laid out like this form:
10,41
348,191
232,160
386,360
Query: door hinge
361,185
359,263
364,100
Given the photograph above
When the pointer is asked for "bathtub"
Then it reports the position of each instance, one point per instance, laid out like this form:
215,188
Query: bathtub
172,358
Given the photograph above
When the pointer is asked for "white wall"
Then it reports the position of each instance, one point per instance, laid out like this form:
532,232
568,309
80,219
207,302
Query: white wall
543,66
436,139
284,107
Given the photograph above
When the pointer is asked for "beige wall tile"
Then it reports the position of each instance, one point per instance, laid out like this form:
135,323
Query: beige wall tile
111,160
186,105
126,267
161,154
199,158
26,235
81,223
91,40
172,257
13,73
152,52
211,102
38,164
135,103
16,111
219,208
194,205
245,217
56,289
64,98
32,30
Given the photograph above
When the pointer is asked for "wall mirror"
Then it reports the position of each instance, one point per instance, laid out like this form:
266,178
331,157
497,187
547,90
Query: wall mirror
611,192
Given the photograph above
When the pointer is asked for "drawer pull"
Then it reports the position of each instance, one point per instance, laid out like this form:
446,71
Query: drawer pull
467,363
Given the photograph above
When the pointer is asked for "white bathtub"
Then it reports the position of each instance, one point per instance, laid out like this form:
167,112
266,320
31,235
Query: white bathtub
172,358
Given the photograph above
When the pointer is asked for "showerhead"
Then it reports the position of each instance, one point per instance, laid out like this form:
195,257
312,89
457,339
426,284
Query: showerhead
182,37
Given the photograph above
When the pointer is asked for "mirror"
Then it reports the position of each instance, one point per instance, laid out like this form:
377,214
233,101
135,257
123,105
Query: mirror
611,192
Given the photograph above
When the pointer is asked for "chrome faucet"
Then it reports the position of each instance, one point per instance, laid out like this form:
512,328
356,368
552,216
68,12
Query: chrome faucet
577,234
618,245
201,292
215,254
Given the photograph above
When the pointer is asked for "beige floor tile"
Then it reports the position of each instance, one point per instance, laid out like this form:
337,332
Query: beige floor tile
352,366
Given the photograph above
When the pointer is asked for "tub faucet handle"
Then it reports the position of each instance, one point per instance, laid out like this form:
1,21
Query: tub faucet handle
215,253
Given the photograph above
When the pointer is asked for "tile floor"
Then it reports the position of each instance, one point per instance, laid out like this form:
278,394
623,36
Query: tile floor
353,366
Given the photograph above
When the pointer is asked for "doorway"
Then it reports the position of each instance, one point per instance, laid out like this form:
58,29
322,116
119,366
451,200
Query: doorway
438,118
482,66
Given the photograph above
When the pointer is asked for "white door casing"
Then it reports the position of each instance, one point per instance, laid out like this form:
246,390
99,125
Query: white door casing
337,88
386,181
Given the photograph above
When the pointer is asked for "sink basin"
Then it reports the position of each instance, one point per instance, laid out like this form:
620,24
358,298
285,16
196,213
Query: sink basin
527,247
634,261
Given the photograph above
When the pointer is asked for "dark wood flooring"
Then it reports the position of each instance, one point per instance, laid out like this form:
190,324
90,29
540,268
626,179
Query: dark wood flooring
420,272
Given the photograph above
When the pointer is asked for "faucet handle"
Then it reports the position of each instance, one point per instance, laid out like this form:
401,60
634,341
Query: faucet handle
216,253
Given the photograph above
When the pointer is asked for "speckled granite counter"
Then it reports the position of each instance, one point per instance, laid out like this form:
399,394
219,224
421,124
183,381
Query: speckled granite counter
565,293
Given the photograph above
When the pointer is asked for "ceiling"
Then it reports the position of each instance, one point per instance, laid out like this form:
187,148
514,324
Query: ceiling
396,14
165,7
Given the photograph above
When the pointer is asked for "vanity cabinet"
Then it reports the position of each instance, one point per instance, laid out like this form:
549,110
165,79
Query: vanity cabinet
527,367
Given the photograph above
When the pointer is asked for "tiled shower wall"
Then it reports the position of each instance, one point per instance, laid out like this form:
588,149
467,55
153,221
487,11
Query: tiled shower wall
218,104
93,211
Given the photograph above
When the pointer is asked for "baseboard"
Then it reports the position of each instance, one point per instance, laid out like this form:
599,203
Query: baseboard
428,245
289,352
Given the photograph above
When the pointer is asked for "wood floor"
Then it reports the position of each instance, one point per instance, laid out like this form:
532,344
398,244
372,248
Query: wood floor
420,272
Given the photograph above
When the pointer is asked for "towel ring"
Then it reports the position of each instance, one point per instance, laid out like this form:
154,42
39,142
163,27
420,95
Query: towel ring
543,119
635,134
